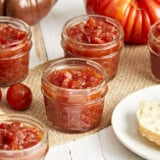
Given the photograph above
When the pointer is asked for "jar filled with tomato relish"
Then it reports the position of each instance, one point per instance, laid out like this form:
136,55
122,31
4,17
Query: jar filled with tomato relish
74,90
22,137
15,45
94,37
154,49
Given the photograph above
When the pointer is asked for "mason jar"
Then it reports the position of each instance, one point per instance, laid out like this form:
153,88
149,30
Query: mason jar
74,91
94,37
23,137
154,50
15,45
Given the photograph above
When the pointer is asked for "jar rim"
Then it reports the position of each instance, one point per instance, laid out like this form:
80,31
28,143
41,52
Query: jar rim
109,19
89,62
11,117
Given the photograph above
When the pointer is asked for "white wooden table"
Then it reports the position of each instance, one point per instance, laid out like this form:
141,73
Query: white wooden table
51,27
100,146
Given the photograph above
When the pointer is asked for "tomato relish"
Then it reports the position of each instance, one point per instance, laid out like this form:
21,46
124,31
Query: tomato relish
93,31
17,136
95,37
22,137
10,34
76,78
15,44
74,94
154,48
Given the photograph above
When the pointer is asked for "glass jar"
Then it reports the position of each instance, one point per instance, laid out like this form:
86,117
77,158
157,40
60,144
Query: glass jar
24,138
154,50
74,90
94,37
15,45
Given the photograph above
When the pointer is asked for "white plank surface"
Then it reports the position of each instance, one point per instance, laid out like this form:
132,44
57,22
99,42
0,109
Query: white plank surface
100,146
48,43
51,26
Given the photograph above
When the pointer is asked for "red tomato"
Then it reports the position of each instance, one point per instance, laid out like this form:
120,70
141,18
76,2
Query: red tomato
31,11
19,96
0,94
136,16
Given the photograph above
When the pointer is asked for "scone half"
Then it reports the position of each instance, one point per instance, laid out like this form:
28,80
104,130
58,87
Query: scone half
148,117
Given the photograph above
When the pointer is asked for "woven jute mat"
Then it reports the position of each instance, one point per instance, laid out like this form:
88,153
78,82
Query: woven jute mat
133,74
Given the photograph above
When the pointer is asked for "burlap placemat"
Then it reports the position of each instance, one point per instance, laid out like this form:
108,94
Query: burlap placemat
133,74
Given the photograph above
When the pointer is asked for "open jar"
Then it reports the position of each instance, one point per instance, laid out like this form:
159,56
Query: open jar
74,90
22,138
154,49
15,45
94,37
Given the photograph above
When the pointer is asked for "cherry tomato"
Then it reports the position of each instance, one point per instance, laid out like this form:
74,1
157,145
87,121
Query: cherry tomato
0,94
19,96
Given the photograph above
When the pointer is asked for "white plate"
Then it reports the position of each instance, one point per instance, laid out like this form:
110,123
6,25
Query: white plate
125,127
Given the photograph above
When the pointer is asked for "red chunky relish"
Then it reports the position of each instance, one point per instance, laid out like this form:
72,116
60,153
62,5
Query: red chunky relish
76,78
17,136
93,31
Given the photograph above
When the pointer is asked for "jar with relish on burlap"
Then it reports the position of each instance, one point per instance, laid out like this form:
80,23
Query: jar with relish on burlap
15,46
94,37
74,91
154,50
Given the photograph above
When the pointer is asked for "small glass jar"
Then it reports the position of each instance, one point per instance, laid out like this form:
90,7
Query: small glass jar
154,50
74,90
15,45
15,130
94,37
